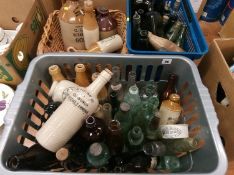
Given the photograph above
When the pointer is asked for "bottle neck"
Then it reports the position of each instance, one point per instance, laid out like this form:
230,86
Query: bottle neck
114,127
136,133
90,122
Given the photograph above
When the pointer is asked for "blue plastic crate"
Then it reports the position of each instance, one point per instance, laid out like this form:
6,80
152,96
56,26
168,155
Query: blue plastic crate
195,45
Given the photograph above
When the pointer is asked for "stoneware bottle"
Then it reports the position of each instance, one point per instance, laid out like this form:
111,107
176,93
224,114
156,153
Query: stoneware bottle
55,73
81,75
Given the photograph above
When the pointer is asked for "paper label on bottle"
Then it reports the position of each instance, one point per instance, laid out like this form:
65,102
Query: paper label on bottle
90,37
167,116
178,131
110,44
72,35
106,34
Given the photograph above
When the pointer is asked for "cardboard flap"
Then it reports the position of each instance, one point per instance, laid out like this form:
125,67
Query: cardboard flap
13,12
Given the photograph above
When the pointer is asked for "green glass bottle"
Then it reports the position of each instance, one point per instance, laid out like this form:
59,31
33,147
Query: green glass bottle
135,139
169,163
98,154
144,115
133,97
173,33
152,130
131,80
124,117
181,38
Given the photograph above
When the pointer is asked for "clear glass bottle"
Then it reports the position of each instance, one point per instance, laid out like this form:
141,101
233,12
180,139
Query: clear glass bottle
79,103
170,88
131,80
133,97
173,33
170,110
161,31
98,154
107,112
107,24
135,139
81,75
115,140
90,25
181,38
55,73
71,23
124,117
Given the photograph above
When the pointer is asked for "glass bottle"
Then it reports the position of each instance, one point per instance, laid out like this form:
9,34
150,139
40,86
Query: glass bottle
173,33
90,25
170,88
115,140
51,107
114,102
170,110
107,112
140,6
124,117
167,8
81,75
158,5
55,73
92,131
131,80
169,163
136,28
115,85
133,97
143,116
107,24
161,31
70,115
103,94
135,139
35,158
181,38
142,40
174,14
152,129
71,23
155,148
98,154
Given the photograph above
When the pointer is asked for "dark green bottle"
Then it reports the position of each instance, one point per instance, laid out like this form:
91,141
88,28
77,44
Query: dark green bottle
181,38
124,117
135,139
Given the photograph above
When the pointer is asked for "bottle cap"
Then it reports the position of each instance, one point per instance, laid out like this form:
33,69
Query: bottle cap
80,68
124,107
95,149
54,69
175,98
6,96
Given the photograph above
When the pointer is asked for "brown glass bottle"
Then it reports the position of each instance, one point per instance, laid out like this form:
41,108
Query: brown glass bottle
35,158
107,24
92,130
170,88
114,137
82,78
71,24
55,73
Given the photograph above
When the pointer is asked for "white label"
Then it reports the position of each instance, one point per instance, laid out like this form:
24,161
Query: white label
111,44
178,131
90,37
72,35
166,61
167,116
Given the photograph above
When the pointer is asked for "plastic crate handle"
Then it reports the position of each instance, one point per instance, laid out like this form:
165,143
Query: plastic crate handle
186,7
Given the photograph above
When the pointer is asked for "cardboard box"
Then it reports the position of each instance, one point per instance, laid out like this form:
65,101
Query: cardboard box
216,76
198,6
227,31
51,5
14,62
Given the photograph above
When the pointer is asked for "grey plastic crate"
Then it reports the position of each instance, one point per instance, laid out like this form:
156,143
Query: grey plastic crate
30,97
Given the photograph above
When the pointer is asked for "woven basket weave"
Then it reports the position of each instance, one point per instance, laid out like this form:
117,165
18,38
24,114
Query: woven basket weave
51,40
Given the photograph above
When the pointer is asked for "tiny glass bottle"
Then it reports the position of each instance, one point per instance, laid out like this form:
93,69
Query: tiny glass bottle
92,131
135,139
107,24
98,154
170,110
90,25
124,117
155,148
71,23
170,88
115,140
81,75
133,97
55,73
102,96
181,38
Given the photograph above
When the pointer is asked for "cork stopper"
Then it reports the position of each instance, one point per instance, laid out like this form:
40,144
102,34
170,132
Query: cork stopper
54,69
62,154
124,107
80,68
175,98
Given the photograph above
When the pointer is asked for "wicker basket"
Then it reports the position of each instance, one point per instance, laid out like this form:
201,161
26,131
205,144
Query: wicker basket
51,40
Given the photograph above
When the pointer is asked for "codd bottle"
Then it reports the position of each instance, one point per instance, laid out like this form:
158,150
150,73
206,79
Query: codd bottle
92,131
181,38
169,163
152,129
133,97
98,154
124,117
115,140
35,158
173,33
171,86
155,148
135,139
